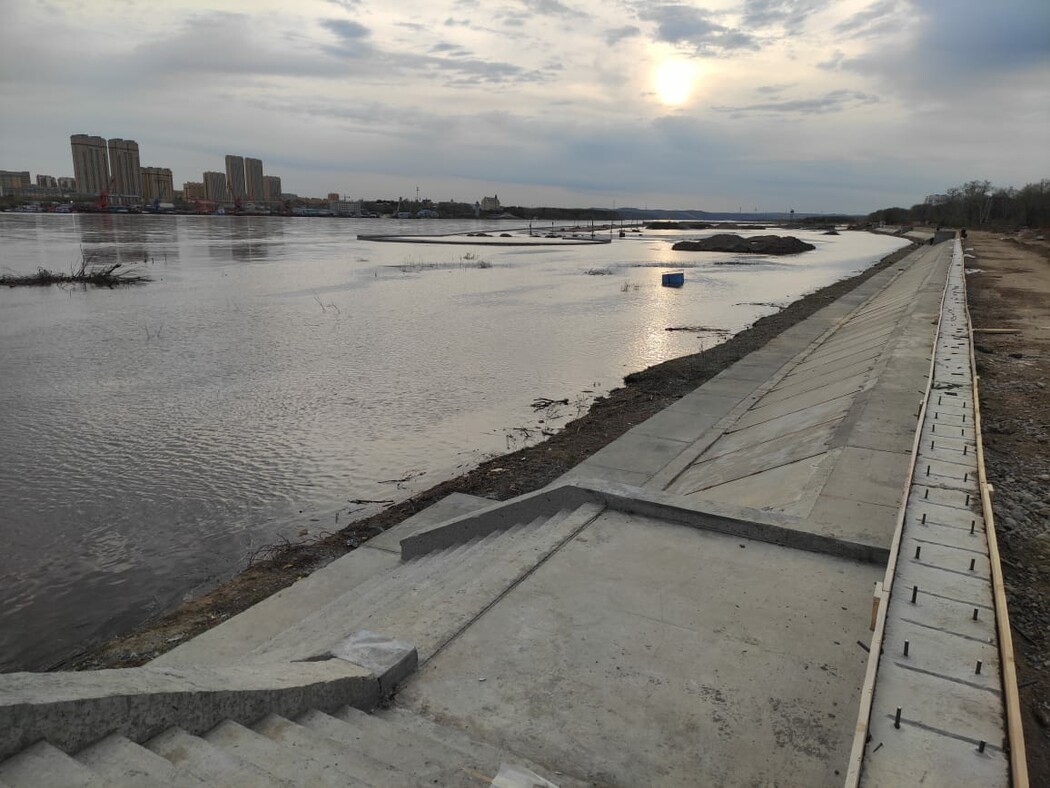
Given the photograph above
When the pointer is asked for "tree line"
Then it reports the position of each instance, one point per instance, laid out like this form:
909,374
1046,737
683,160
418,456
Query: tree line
977,204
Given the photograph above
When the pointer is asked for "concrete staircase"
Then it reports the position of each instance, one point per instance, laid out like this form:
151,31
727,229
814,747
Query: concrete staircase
346,748
427,600
291,709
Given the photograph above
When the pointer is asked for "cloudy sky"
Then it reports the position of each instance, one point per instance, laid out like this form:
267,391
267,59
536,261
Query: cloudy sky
715,105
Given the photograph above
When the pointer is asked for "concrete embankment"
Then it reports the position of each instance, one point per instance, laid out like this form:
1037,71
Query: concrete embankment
691,605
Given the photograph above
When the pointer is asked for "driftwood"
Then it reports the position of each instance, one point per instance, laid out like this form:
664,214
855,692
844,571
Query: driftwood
543,403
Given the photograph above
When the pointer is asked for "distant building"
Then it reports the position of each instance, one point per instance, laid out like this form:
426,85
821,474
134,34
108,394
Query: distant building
12,182
490,204
67,184
333,196
345,207
125,180
157,184
235,177
90,163
47,181
253,179
215,186
193,190
271,188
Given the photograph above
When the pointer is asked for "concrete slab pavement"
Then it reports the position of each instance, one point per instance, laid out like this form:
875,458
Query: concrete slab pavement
647,653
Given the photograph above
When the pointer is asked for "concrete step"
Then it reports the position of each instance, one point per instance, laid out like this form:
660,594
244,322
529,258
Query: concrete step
355,765
213,765
297,766
429,761
45,765
426,604
119,761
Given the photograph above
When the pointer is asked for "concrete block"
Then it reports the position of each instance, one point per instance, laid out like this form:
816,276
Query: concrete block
389,659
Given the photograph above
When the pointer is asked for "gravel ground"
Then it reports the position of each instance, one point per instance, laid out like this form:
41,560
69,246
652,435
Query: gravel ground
1010,289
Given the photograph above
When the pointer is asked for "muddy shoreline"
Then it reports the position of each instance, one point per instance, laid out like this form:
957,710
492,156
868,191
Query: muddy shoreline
644,394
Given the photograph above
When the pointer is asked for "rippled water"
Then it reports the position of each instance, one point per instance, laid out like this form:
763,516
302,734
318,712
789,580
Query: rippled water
152,436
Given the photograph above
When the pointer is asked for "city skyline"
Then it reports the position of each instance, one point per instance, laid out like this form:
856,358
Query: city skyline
775,104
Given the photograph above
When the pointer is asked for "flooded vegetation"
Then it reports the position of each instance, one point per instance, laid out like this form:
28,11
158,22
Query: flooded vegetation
87,273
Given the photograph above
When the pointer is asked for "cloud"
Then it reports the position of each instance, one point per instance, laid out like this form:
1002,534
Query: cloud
876,19
833,101
949,53
217,43
350,34
452,49
346,5
774,89
553,8
686,25
789,14
618,34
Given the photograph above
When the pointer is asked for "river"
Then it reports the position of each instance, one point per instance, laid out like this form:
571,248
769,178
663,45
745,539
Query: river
153,436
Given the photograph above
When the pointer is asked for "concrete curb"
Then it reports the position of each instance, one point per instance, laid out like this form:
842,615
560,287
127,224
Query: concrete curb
73,710
741,521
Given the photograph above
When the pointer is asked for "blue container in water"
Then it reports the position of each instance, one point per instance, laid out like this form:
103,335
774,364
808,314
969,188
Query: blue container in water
673,279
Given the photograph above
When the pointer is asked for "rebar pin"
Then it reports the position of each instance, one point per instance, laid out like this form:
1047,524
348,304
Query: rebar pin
897,722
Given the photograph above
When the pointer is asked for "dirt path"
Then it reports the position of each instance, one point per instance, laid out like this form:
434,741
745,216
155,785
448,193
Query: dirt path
1011,290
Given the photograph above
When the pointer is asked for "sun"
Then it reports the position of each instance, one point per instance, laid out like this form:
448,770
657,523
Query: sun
674,81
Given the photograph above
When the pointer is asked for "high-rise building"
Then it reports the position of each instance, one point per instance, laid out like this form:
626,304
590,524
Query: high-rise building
194,190
271,188
215,186
235,177
67,184
47,181
90,163
157,184
124,168
253,179
12,181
